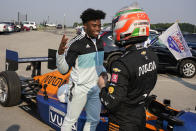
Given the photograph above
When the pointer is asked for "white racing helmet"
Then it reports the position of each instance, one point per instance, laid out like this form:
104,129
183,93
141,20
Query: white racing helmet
130,25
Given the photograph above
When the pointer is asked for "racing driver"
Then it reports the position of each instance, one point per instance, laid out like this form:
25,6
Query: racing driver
84,55
133,75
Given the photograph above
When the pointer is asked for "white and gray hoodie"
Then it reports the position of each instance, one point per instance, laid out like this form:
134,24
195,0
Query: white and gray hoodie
85,57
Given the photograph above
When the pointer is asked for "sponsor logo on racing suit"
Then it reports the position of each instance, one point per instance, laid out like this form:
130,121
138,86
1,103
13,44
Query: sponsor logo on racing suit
116,70
114,78
147,68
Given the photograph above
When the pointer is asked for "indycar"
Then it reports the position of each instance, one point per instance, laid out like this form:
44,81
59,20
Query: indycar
42,90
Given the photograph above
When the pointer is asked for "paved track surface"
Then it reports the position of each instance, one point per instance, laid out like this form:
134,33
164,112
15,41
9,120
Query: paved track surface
181,92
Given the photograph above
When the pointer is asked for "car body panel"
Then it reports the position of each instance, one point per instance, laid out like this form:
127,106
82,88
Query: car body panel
11,26
110,49
59,26
191,40
30,24
190,123
166,58
3,27
52,111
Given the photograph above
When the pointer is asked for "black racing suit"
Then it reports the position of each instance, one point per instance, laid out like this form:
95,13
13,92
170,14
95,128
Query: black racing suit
133,76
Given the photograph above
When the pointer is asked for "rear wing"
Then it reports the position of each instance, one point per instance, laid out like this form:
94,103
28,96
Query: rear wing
12,61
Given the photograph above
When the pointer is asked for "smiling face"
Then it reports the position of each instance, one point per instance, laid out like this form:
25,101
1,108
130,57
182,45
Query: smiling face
92,28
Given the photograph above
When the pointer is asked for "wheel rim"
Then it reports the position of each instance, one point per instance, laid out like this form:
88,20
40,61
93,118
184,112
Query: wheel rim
3,90
189,69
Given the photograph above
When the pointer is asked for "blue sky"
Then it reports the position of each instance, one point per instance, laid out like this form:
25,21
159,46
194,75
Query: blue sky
68,11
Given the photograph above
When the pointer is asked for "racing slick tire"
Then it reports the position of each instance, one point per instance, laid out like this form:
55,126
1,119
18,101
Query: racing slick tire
187,68
10,89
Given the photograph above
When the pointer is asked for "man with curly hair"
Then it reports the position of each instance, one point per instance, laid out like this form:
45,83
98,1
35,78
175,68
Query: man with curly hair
84,55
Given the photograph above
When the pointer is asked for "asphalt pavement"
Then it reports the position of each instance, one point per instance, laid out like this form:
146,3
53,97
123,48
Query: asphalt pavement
181,91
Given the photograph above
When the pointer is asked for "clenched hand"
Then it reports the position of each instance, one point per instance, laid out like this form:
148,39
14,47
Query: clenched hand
103,78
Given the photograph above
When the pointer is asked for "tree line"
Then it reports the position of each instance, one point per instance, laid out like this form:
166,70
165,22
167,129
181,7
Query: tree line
185,27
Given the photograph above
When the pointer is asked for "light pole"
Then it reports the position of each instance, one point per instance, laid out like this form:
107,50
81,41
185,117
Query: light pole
64,22
48,20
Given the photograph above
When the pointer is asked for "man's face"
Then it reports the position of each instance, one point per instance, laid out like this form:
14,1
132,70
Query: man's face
93,28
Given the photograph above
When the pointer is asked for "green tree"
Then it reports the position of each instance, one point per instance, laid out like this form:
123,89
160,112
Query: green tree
185,27
75,24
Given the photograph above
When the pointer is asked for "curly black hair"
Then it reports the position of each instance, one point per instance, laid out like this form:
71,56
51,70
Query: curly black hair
91,14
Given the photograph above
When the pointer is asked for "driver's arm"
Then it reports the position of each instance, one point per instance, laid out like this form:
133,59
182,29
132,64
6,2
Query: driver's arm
116,91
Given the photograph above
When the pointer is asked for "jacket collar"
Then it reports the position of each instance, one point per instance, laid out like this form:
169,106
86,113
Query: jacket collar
87,36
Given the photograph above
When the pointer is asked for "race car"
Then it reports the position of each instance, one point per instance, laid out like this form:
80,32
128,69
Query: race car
43,91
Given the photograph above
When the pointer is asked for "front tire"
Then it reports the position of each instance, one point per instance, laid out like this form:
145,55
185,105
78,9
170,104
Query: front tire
10,89
31,28
187,68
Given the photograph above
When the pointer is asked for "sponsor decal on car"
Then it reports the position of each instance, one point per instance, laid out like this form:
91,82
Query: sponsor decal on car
56,117
53,80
